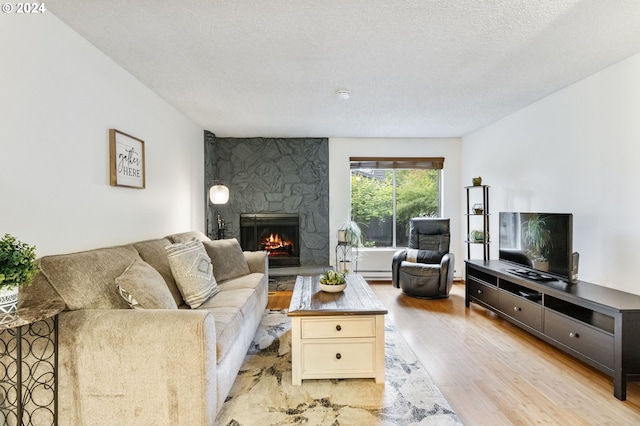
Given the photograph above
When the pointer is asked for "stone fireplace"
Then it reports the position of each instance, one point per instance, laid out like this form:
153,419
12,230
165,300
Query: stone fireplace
272,176
276,233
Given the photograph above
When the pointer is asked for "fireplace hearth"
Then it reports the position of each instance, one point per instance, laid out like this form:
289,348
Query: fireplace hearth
276,233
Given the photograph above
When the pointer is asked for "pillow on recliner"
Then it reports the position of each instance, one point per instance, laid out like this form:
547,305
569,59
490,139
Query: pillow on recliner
141,286
424,256
227,259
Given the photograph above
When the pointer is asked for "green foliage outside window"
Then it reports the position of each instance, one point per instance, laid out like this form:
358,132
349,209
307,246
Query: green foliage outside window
417,194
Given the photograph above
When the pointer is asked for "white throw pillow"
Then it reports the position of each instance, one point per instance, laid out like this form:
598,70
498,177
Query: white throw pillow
192,270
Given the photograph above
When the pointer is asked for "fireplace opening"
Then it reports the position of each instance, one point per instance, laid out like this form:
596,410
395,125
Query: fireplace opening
276,233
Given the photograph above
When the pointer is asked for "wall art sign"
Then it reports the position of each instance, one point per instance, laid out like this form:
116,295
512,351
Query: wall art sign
126,160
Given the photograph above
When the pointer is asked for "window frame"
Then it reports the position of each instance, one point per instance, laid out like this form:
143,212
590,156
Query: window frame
394,163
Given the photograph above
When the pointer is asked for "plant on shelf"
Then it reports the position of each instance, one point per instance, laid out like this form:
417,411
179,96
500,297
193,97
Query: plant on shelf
537,240
333,278
17,268
17,263
351,234
477,236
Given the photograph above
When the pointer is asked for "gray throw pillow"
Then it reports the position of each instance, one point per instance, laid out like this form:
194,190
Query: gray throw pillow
131,301
191,268
141,286
227,259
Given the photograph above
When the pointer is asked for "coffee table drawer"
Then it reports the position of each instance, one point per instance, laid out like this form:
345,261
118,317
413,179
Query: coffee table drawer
336,359
320,328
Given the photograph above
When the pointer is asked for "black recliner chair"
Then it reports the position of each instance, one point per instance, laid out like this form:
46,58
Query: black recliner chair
425,269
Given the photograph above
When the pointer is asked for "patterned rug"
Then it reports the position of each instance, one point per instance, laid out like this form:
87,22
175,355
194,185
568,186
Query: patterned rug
262,393
282,283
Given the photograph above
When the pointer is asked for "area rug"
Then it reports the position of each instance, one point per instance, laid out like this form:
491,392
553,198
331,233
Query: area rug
263,394
282,282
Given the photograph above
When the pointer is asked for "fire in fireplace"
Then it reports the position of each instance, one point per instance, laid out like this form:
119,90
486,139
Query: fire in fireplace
277,245
276,233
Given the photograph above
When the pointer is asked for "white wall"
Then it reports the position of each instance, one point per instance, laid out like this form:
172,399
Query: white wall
575,151
340,149
59,97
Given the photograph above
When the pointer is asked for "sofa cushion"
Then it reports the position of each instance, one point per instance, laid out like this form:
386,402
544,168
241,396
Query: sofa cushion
85,280
191,268
243,299
230,308
252,281
153,252
144,285
257,281
227,259
229,323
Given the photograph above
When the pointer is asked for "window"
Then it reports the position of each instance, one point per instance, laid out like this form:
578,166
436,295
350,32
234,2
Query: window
386,193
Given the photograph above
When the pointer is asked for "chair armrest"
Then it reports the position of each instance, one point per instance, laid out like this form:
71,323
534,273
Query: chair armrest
398,258
258,261
447,266
119,366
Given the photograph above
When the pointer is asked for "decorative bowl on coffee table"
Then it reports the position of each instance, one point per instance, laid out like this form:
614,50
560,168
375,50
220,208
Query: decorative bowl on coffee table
332,288
333,282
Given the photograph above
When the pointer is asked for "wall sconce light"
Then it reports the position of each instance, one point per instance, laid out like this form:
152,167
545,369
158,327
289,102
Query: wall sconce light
218,193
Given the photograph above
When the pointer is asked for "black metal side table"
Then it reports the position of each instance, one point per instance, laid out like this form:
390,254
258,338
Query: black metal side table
29,366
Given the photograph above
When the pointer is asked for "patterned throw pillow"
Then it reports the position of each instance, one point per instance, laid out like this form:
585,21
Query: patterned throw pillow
142,287
192,270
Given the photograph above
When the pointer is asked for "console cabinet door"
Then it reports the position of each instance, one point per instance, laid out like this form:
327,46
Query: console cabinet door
525,311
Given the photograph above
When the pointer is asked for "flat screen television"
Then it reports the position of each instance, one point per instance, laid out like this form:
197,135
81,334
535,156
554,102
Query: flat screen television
540,245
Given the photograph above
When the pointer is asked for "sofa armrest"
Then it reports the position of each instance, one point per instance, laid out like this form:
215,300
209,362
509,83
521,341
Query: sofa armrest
137,367
258,261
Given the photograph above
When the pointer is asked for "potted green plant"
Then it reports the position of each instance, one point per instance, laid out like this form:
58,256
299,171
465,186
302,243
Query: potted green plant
351,234
332,281
537,240
18,266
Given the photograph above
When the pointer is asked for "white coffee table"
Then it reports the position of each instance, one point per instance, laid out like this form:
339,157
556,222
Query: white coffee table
336,335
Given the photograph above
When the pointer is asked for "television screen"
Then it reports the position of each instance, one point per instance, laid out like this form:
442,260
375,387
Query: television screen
539,242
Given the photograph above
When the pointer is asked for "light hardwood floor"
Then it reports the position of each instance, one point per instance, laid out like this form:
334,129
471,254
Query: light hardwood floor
493,373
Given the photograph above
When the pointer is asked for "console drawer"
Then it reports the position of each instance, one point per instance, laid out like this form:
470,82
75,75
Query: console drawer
319,328
525,311
590,342
482,292
336,358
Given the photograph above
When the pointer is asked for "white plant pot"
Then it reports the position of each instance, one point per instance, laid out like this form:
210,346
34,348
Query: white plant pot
8,305
8,300
333,288
541,265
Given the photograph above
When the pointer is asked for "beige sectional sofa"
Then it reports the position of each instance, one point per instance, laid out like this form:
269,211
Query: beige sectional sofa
172,365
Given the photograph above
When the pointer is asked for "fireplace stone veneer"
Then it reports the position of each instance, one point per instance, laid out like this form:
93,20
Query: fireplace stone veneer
273,175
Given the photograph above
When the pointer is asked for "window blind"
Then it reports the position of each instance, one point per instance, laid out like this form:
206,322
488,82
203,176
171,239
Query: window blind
397,162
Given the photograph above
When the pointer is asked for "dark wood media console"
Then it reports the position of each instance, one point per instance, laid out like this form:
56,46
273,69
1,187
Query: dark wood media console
596,324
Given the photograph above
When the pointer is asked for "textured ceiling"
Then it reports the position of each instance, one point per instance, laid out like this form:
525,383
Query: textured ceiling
415,68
